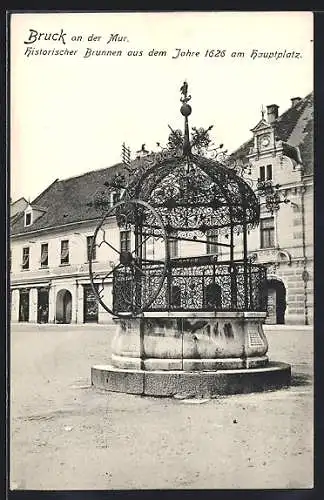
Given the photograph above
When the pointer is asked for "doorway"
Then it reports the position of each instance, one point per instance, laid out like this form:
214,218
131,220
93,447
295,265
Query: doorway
24,305
90,305
64,306
42,305
276,302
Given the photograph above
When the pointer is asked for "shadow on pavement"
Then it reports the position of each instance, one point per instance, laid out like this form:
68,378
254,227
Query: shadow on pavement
301,379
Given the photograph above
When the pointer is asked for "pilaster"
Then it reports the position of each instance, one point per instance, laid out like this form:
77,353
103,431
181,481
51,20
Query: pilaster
15,305
51,304
33,299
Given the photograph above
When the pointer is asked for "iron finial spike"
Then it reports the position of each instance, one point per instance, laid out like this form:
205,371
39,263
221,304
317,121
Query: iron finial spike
186,139
185,111
262,111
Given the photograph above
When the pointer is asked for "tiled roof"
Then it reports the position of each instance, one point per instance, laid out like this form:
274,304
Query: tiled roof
294,126
66,201
15,217
17,207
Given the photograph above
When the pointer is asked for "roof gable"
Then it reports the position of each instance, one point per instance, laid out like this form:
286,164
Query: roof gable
262,125
294,127
18,206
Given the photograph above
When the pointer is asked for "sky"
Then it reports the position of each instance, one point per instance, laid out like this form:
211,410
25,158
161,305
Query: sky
70,114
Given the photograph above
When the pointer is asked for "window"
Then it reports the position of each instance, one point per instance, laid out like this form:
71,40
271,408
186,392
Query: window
28,219
44,255
25,258
173,248
266,173
212,248
267,232
114,198
90,255
125,241
65,252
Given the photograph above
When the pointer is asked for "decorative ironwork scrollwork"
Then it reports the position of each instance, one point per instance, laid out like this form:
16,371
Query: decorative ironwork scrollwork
183,191
270,192
192,279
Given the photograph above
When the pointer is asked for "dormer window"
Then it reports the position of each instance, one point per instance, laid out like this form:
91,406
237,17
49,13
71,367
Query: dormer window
32,214
28,219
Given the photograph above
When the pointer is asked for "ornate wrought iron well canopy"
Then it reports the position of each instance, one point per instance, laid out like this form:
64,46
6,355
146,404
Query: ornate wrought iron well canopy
180,193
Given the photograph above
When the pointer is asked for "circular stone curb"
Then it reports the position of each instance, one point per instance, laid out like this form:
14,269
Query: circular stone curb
275,375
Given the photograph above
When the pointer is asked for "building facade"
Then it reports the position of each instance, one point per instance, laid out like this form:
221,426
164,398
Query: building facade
281,151
51,237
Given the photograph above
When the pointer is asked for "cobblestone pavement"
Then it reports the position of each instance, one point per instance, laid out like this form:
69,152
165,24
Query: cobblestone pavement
67,435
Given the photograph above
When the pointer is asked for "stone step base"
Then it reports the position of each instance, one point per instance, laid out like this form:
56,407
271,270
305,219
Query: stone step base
275,375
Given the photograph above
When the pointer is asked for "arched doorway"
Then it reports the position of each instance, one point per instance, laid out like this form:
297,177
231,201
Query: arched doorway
276,291
63,306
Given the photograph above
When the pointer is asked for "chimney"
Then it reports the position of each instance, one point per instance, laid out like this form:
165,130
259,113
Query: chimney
272,112
294,101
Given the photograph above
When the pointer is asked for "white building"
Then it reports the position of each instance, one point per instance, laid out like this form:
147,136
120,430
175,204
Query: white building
281,150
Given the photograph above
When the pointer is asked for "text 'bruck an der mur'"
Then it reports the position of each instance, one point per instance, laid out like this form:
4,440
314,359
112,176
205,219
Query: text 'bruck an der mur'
61,38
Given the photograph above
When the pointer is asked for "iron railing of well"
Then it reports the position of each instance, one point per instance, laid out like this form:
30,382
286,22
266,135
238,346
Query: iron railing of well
193,284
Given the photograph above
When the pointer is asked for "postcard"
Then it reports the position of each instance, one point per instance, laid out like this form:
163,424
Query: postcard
161,250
